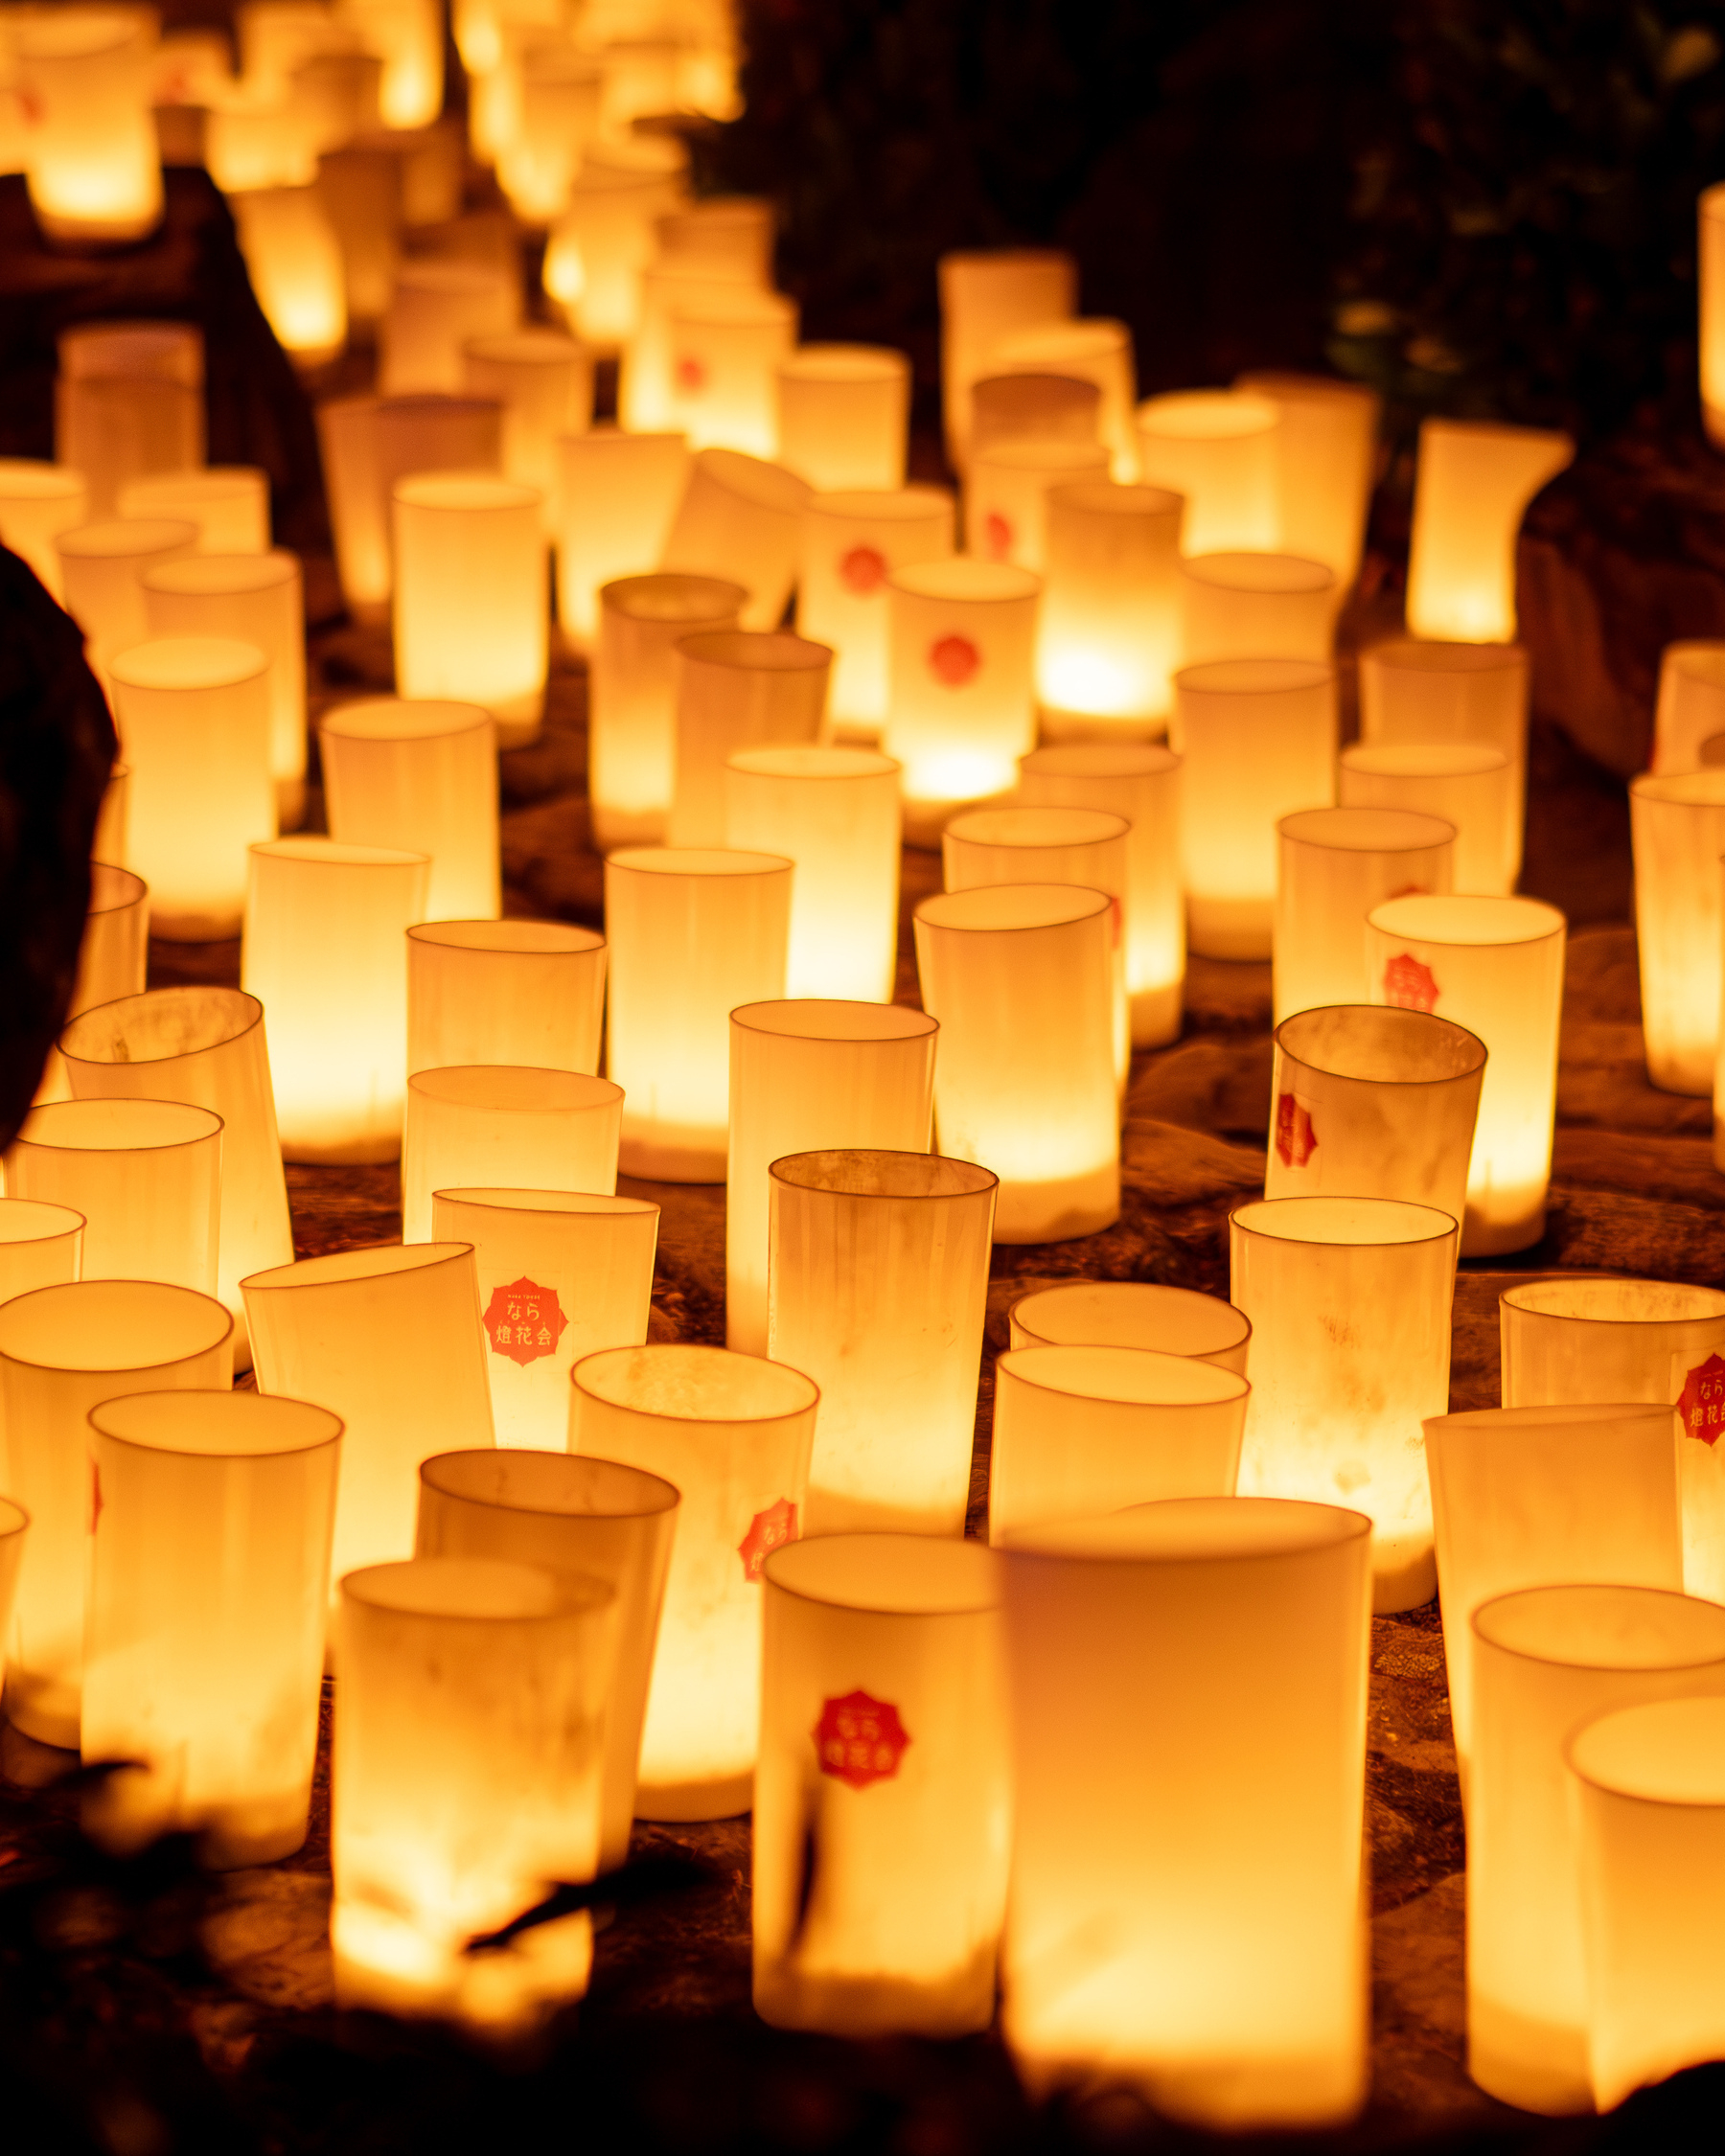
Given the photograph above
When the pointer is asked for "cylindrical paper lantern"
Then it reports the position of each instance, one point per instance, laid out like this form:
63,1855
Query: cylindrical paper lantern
1325,450
369,442
882,1803
1132,1314
1020,976
505,1124
1333,865
112,428
726,345
544,383
437,304
361,186
1465,782
91,162
1257,739
470,610
740,516
852,542
631,722
1691,708
109,841
389,1338
37,502
845,415
1473,482
204,1641
1710,278
1006,490
615,498
1187,1691
877,1287
604,240
961,645
985,296
1495,966
1337,1404
1034,409
735,232
560,106
1255,606
114,953
1088,1430
419,776
101,567
810,1074
737,688
62,1349
1677,825
153,350
1549,1660
14,1526
228,503
41,1246
591,1517
647,393
1217,448
732,1433
1095,349
694,934
294,261
528,992
324,938
1108,638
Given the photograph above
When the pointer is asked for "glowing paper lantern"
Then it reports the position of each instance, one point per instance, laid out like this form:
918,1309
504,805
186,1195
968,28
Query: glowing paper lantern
618,494
694,933
1472,484
734,689
102,569
877,1287
1710,278
63,1349
1467,785
834,813
436,307
1336,1406
604,240
882,1805
1549,1660
360,188
844,414
1258,739
647,393
252,141
1677,824
294,262
1088,1430
1325,449
740,516
41,1246
544,383
852,544
1020,977
204,1638
1216,448
1132,1314
37,502
590,1517
194,713
93,169
733,232
431,159
113,428
1108,638
1333,865
808,1074
1006,495
961,645
114,953
471,614
527,992
1034,409
407,36
560,107
1098,351
1691,708
325,926
109,839
505,1124
420,776
1184,1911
1255,606
985,296
1495,966
632,722
727,346
14,1525
732,1433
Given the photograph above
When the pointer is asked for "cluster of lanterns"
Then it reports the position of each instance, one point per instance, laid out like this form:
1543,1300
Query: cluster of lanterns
1116,1754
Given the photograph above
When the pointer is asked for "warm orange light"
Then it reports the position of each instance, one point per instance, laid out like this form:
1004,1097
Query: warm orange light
852,544
144,1174
1108,636
360,187
960,712
91,162
1333,865
1006,491
1132,1314
505,1124
618,495
1466,784
1325,458
37,502
844,414
129,400
438,303
985,296
733,689
102,570
529,992
544,383
293,260
471,621
228,503
1691,708
631,714
1473,483
1677,824
419,776
1255,605
740,516
1217,447
604,238
41,1246
407,36
1095,349
726,344
1034,409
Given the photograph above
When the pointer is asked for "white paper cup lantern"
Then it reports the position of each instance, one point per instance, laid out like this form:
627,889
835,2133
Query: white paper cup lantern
985,296
1326,455
293,258
1473,482
1495,966
1550,1659
740,516
877,1289
727,346
1255,606
808,1075
1006,491
647,393
1689,711
113,956
852,542
732,1433
1257,741
111,818
228,503
115,428
505,1124
1020,977
41,1246
420,776
437,305
882,1803
471,613
732,232
1108,638
1466,784
736,689
324,936
617,496
102,570
1216,448
1710,277
559,109
604,240
1338,1398
368,442
1034,409
845,415
1132,1314
1677,825
1333,865
544,383
63,1349
1094,350
961,646
361,186
91,162
1184,1912
527,992
37,502
204,1638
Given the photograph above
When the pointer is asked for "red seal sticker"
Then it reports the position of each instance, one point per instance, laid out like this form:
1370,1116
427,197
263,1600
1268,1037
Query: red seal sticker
767,1533
1409,984
996,535
862,570
860,1739
524,1321
954,660
691,375
1702,1401
1296,1140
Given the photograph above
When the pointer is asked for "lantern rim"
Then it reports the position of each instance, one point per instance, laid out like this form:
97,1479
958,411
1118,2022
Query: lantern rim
124,538
1588,1752
513,1198
344,1268
1114,497
838,361
774,651
168,1296
404,718
222,575
889,505
653,1493
846,1021
1040,452
182,665
1496,1619
1521,1298
515,1088
541,1595
542,938
674,595
1060,907
1442,1227
963,578
1101,759
1260,572
532,347
337,853
839,1554
973,1180
125,888
697,860
663,1353
1218,1386
1205,415
1423,759
1075,337
1702,788
210,1125
1185,1296
757,479
1196,1530
1393,1019
248,1407
39,479
1086,827
1446,654
1253,677
1392,917
1400,831
54,1220
786,760
246,1010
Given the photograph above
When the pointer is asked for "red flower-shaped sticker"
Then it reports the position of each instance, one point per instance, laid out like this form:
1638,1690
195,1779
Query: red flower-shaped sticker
1409,984
862,570
1702,1401
691,374
767,1531
954,660
860,1739
524,1321
1296,1140
996,535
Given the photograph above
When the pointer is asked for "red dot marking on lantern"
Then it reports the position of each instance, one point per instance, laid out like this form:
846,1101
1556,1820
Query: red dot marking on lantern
767,1531
523,1321
1409,984
860,1739
954,660
996,535
862,570
1296,1140
1701,1404
691,375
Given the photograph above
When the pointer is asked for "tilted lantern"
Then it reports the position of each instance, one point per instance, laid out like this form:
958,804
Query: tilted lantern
40,500
1689,711
101,567
845,415
1255,605
420,776
92,166
1325,450
1006,491
852,542
737,688
1107,635
472,621
529,992
1333,865
615,497
1465,783
1093,349
228,503
1132,1314
1473,482
985,296
505,1124
544,383
740,516
369,442
1677,826
1217,448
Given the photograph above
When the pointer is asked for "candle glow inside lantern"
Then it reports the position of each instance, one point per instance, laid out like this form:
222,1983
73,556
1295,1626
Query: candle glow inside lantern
617,496
852,542
1108,638
528,992
726,345
113,956
1084,1430
1020,977
1689,711
1466,784
1034,409
843,415
293,260
544,383
1495,966
732,1433
91,163
1216,448
41,1246
883,1802
808,1074
1094,350
419,776
1546,1661
1255,606
228,503
1325,449
505,1124
361,186
368,442
740,516
438,303
1333,865
1186,1683
1132,1314
603,242
961,644
1257,739
40,500
590,1517
647,393
985,296
470,613
1473,482
1710,277
101,567
877,1287
325,926
1006,491
1677,826
62,1351
694,934
559,109
204,1638
737,688
1337,1404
